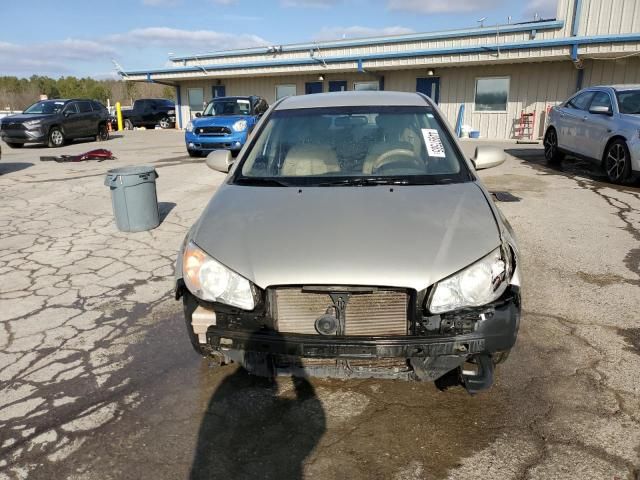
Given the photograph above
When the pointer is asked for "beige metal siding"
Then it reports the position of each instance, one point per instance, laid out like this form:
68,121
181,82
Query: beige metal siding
608,72
604,17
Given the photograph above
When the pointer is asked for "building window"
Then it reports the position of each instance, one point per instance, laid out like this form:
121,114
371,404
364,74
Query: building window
492,94
285,91
366,86
196,100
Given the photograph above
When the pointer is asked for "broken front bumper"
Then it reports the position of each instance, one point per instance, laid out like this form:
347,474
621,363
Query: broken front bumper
265,351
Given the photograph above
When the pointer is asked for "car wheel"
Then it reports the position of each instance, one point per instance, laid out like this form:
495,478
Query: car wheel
551,152
56,137
617,162
15,145
128,125
193,153
165,123
103,133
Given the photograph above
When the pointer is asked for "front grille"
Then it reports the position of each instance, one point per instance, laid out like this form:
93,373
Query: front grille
12,126
213,131
381,312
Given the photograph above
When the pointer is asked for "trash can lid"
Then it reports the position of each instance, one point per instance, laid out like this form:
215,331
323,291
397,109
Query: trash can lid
136,170
130,176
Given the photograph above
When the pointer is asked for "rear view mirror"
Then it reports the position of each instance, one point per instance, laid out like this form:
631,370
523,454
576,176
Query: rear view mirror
600,110
220,160
488,157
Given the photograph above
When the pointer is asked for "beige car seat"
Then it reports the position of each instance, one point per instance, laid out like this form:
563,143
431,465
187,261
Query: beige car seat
308,160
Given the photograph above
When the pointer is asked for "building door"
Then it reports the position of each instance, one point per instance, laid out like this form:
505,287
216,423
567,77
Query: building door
430,86
338,86
218,91
312,87
196,100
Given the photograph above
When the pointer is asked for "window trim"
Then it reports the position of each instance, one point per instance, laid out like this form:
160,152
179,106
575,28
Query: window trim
295,89
475,94
368,82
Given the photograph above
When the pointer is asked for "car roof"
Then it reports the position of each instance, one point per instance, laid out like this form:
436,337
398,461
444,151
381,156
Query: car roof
230,97
353,99
617,87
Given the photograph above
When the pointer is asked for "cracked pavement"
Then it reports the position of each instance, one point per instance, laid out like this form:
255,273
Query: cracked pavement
98,380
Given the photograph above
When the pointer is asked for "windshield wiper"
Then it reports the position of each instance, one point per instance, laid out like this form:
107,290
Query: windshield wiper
260,182
369,181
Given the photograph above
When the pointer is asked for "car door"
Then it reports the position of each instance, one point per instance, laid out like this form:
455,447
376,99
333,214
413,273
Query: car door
598,126
72,123
88,119
571,131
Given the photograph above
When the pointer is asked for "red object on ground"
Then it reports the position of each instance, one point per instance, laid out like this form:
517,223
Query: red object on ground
99,154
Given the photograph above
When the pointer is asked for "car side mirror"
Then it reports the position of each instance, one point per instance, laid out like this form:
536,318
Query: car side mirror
198,115
488,157
220,160
68,113
600,110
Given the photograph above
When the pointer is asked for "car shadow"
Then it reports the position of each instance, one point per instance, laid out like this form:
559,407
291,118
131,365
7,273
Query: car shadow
6,167
164,209
254,429
570,167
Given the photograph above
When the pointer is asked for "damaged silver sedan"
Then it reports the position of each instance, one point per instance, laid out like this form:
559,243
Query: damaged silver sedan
353,239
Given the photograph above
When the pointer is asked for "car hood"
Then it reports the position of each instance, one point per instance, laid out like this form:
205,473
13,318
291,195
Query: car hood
219,121
25,117
405,236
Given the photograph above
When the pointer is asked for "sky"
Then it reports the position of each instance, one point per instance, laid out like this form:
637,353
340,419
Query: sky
82,37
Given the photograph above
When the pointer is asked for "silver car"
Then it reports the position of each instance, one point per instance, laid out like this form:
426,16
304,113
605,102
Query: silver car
353,239
600,124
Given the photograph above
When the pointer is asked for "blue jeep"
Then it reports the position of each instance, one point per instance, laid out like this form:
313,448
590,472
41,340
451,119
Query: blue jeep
225,124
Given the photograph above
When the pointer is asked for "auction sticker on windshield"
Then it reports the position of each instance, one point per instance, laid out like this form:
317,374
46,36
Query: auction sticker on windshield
433,142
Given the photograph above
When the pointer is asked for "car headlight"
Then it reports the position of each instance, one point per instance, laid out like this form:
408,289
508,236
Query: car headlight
479,284
189,127
32,123
209,280
171,112
240,126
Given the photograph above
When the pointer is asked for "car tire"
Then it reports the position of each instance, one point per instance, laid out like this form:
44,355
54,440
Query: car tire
56,138
128,124
165,123
617,162
551,152
103,133
193,153
15,145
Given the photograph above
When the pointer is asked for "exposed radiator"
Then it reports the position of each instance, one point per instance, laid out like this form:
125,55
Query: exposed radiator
382,312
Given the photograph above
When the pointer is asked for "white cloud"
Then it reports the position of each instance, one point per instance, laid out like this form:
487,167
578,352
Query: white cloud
308,3
544,8
225,2
441,6
52,58
201,40
333,33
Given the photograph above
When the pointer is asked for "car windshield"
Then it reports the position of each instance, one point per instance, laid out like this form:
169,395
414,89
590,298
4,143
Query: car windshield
48,107
629,102
353,146
232,106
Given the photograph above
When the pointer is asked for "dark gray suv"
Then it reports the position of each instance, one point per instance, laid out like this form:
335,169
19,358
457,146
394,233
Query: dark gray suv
55,122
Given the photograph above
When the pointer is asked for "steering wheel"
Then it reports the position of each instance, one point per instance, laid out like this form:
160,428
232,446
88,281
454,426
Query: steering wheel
391,157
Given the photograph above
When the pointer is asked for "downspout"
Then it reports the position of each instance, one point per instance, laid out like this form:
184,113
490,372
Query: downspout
577,10
577,62
179,106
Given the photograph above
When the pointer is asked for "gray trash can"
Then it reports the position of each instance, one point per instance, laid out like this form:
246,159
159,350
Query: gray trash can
134,199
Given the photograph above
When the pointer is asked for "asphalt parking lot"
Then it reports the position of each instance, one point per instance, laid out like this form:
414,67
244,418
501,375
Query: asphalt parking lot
98,379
